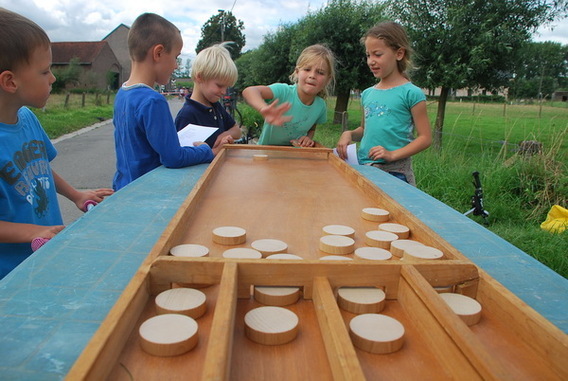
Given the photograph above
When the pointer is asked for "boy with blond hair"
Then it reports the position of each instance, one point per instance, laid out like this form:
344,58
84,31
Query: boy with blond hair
28,186
145,134
213,71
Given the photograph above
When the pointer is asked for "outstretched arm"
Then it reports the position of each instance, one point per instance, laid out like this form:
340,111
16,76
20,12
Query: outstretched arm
79,197
273,113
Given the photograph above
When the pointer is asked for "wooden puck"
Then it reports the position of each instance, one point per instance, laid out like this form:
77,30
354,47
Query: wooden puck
397,247
419,252
468,309
401,231
242,252
168,335
336,244
361,300
271,325
338,230
185,301
284,256
229,235
189,250
380,238
269,246
376,333
335,258
260,157
375,214
276,296
373,253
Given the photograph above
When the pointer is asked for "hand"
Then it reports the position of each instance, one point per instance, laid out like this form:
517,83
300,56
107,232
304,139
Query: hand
304,141
379,152
222,140
47,232
344,141
96,195
274,113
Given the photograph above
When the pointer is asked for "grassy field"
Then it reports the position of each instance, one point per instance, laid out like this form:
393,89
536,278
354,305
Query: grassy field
518,190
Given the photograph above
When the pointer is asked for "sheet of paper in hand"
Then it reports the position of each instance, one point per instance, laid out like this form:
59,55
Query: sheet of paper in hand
194,133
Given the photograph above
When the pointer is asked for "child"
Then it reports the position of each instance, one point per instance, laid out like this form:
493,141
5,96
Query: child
213,71
392,108
312,77
145,134
28,186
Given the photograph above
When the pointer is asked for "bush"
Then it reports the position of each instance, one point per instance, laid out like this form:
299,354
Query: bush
251,119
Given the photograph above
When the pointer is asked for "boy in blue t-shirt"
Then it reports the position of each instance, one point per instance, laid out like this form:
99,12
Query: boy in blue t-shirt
145,134
28,186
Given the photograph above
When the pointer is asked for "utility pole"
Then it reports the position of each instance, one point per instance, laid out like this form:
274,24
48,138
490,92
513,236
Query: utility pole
222,12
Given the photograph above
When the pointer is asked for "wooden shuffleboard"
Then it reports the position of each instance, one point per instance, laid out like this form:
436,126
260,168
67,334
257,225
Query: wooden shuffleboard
289,195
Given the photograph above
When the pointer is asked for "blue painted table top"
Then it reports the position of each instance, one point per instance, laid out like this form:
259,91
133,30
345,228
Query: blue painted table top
51,305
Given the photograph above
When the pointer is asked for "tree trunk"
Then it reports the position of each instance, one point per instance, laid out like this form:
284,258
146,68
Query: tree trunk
440,118
341,104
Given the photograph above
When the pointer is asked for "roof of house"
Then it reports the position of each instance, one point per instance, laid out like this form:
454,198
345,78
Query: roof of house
63,52
115,29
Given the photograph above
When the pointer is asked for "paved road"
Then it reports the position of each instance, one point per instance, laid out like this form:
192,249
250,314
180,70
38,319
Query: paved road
86,159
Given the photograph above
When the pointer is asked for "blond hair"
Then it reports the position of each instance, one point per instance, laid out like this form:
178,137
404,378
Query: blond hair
316,54
394,35
215,62
19,37
149,30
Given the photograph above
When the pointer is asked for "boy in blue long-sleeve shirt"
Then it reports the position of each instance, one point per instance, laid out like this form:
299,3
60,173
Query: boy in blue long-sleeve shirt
145,134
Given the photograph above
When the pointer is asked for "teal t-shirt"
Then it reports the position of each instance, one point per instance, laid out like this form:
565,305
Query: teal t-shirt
303,117
388,118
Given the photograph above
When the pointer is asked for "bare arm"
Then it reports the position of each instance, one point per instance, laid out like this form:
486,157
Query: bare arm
273,113
11,232
79,197
350,136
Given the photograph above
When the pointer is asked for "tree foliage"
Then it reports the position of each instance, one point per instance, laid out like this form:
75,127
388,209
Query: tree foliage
468,43
66,75
221,27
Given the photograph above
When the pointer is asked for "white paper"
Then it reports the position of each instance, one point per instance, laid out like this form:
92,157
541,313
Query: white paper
351,154
194,133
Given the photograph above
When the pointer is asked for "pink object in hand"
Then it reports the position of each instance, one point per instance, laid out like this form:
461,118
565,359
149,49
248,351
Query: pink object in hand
38,242
88,205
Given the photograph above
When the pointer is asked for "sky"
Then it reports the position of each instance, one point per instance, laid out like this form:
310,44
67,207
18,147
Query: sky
92,20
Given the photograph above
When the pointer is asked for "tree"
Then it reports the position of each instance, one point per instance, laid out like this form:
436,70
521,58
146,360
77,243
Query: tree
223,27
468,43
67,75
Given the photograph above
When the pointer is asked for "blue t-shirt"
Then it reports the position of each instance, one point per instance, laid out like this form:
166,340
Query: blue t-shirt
145,136
388,118
303,117
197,113
27,187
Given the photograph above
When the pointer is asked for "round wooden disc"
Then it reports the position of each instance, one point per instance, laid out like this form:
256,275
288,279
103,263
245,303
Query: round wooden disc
361,300
336,244
276,296
185,301
468,309
229,235
373,253
401,231
417,252
338,230
397,247
242,252
380,238
168,335
260,157
335,258
376,333
284,256
271,325
375,214
189,250
269,246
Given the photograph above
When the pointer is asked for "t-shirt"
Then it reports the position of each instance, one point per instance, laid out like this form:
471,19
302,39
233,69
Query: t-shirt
145,136
197,113
388,118
303,117
27,187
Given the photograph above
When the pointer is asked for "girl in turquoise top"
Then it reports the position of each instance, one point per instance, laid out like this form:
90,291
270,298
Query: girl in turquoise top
293,111
393,109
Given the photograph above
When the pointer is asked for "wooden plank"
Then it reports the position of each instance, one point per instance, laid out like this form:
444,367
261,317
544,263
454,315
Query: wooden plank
218,356
341,354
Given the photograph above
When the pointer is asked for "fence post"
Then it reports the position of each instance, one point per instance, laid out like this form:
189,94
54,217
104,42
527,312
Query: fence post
83,100
108,98
66,100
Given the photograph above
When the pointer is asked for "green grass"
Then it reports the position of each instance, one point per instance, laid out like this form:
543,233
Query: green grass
518,191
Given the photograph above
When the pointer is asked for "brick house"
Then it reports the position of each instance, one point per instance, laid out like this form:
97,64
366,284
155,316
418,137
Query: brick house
118,42
100,67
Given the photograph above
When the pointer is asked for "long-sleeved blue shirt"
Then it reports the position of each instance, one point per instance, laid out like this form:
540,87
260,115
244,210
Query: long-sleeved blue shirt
145,136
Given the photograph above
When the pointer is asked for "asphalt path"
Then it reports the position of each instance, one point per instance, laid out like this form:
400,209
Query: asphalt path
86,159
